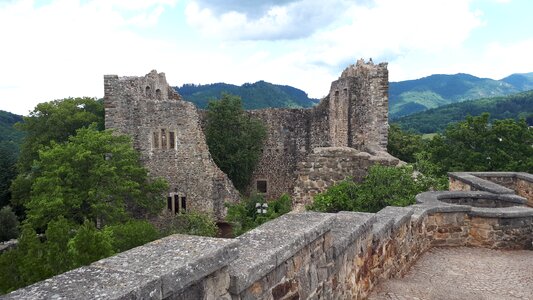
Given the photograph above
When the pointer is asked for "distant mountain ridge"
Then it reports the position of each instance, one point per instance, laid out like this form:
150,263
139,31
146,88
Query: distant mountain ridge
256,95
514,106
411,96
7,132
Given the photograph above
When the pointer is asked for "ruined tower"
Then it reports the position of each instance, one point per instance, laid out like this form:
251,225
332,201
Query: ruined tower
166,131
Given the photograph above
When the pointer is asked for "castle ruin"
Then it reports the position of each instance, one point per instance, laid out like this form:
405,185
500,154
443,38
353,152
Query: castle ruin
306,150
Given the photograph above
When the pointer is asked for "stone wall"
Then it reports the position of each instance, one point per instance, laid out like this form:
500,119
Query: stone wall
495,182
166,131
327,166
354,114
297,256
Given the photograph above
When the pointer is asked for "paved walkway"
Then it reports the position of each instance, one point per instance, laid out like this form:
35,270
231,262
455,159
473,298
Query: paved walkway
464,273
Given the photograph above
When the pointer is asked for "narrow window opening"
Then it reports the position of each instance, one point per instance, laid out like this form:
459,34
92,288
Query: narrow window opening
184,203
155,140
176,204
345,92
158,94
147,91
171,139
336,95
163,138
169,203
261,186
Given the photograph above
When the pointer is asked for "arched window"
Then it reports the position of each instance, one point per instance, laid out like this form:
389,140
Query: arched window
158,94
147,91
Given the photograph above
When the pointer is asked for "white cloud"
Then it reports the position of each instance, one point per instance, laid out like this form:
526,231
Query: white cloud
63,48
272,20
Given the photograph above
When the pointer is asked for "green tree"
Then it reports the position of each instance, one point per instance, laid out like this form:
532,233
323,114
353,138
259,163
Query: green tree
244,216
8,170
404,145
89,244
59,232
477,145
50,122
9,224
96,175
131,234
383,186
234,138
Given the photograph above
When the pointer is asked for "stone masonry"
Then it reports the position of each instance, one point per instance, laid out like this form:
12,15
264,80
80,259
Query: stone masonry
166,131
308,255
352,121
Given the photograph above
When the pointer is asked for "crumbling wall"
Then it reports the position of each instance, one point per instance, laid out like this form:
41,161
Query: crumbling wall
166,131
327,166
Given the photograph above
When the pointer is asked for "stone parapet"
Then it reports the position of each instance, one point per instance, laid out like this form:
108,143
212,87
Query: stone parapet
300,255
520,183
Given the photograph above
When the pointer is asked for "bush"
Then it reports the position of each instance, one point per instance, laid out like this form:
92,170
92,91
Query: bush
193,223
244,216
383,186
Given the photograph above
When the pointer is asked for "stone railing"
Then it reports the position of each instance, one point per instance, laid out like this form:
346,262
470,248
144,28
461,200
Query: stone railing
494,182
299,255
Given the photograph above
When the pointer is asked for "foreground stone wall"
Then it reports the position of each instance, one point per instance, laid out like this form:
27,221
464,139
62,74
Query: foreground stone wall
305,255
166,131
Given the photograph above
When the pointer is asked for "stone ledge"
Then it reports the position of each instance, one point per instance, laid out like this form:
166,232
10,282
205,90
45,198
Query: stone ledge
479,183
262,249
390,218
504,212
154,271
92,283
349,227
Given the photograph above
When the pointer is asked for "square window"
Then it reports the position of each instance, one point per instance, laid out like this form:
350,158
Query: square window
262,186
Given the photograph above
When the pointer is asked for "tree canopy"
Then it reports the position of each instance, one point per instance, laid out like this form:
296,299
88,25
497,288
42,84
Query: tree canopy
234,138
95,175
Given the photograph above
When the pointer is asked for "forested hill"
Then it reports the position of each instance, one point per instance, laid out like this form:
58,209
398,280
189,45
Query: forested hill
7,132
435,120
411,96
254,95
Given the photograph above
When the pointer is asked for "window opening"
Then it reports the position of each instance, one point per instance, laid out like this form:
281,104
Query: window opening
184,203
176,204
171,139
163,139
155,140
262,186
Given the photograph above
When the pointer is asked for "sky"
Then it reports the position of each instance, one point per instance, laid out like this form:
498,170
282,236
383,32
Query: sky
53,49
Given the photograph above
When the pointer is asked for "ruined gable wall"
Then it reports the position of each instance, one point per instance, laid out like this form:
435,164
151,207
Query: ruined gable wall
149,110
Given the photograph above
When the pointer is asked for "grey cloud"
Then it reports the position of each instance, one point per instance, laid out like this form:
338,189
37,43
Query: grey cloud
304,16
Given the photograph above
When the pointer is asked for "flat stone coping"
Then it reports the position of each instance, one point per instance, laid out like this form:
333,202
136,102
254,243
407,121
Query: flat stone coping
349,227
480,183
429,202
262,249
519,175
153,271
390,218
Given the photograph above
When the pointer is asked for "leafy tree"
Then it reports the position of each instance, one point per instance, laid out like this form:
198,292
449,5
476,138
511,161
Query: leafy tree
383,186
95,175
131,234
404,145
8,170
59,232
244,216
8,224
50,122
234,138
90,244
477,145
